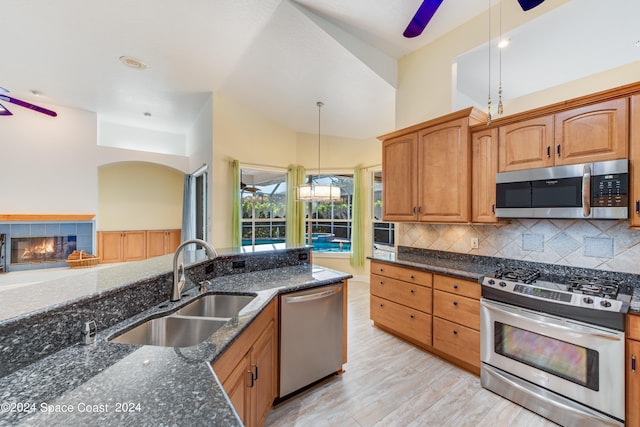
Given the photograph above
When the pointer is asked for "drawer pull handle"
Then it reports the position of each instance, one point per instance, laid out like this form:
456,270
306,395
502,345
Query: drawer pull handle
412,291
455,286
412,316
455,332
455,303
633,363
638,206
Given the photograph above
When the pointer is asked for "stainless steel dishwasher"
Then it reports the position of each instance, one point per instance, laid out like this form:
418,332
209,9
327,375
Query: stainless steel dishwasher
310,336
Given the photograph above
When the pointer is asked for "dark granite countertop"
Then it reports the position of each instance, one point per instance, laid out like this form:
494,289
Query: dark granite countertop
474,267
107,384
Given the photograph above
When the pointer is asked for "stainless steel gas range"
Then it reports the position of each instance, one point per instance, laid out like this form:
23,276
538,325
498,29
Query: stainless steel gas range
555,345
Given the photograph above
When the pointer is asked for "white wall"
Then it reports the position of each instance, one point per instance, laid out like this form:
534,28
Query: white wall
48,164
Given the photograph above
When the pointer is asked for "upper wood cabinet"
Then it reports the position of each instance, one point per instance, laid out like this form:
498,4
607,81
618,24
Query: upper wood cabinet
426,170
484,165
399,178
634,163
526,145
592,133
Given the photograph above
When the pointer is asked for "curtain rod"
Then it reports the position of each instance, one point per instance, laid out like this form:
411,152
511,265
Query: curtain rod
202,169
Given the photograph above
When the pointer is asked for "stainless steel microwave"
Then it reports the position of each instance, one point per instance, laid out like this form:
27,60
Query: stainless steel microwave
598,190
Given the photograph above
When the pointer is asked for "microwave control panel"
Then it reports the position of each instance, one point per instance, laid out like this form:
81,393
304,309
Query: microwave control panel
610,190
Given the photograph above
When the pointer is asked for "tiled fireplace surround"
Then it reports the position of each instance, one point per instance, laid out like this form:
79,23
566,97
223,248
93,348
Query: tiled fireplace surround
603,245
83,230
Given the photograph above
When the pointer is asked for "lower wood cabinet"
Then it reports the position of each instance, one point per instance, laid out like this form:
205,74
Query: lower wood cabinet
162,242
135,245
248,370
120,246
632,367
436,312
456,319
401,301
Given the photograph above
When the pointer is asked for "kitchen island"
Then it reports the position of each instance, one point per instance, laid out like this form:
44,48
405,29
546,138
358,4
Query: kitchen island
108,383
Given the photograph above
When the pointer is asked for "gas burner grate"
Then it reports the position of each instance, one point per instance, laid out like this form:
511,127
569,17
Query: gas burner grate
522,275
601,287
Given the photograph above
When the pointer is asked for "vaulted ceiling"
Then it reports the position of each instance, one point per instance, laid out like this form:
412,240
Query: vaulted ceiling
276,56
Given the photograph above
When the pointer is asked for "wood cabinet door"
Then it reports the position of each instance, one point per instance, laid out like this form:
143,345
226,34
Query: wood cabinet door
456,340
634,162
110,246
399,182
237,388
593,133
172,241
526,145
444,172
264,366
156,243
134,245
633,383
407,322
484,166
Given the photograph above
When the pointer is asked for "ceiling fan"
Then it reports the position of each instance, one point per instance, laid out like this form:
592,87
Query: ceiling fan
428,8
5,112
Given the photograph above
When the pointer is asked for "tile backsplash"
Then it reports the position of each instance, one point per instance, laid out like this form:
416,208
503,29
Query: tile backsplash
603,245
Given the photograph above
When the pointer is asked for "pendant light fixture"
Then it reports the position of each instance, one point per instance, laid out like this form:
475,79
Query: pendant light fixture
316,192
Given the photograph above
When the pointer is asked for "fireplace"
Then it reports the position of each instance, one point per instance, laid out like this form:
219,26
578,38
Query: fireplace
41,249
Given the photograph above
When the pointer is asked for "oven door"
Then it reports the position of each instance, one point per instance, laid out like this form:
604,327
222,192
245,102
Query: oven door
582,362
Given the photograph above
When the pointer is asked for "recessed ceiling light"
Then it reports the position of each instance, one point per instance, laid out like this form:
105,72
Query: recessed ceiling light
503,43
36,93
147,114
638,43
132,62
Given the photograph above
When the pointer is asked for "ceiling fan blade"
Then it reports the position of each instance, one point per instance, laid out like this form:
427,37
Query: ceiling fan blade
4,111
529,4
421,18
28,105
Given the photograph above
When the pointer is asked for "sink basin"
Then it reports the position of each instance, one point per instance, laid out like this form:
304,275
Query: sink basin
171,332
220,305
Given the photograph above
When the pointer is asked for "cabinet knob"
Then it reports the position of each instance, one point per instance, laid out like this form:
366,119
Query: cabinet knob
412,276
455,303
381,282
413,291
455,286
455,332
412,316
381,305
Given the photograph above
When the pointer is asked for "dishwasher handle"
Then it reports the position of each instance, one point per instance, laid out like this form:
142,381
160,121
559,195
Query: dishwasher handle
315,296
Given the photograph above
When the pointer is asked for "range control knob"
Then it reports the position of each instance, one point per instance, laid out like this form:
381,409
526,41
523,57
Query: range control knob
502,284
605,303
587,300
491,282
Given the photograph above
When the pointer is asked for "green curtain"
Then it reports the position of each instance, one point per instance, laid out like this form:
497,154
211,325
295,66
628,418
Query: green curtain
236,228
357,220
296,175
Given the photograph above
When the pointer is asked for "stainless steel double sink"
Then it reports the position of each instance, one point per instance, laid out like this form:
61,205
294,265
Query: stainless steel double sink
190,325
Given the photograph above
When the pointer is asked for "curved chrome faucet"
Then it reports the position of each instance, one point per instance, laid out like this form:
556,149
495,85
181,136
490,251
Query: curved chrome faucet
178,271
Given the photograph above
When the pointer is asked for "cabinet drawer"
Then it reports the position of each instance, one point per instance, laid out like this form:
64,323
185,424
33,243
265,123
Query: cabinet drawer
458,341
464,287
409,294
406,321
633,327
423,278
462,310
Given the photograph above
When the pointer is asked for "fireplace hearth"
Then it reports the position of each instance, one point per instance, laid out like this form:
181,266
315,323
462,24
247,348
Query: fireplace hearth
40,249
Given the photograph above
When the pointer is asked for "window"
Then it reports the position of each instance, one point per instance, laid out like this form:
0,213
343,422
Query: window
263,195
331,221
201,206
383,232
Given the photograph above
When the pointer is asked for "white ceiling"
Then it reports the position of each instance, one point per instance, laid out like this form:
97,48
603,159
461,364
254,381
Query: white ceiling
277,56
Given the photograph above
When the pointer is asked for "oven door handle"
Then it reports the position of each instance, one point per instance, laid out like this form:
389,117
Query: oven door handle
548,321
586,191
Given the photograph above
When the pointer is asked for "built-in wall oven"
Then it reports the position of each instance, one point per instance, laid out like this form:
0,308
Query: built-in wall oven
555,348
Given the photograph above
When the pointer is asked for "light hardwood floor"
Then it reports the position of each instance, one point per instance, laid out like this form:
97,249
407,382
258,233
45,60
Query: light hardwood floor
388,382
